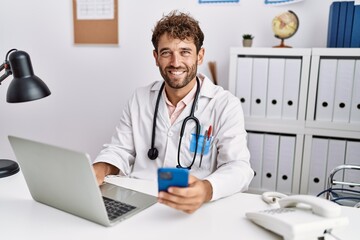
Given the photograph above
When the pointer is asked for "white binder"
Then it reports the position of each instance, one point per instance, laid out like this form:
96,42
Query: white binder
255,143
336,157
353,158
291,88
355,102
343,90
326,90
317,171
243,83
286,164
270,162
275,87
259,87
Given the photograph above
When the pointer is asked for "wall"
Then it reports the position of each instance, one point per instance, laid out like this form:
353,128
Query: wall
90,84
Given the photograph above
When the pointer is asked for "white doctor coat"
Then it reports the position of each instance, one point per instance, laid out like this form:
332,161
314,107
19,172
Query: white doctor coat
226,166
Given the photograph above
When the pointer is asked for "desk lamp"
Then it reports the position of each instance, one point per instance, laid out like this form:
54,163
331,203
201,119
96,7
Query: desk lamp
24,87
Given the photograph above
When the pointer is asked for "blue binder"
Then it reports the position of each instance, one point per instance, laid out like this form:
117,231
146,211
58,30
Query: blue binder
355,35
341,26
349,24
333,24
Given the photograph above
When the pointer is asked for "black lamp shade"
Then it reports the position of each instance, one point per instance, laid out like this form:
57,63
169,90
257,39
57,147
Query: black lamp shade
25,86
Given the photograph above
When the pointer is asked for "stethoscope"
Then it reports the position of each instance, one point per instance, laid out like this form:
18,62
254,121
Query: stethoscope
153,152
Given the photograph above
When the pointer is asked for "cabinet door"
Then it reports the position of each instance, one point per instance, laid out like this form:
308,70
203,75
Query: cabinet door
317,172
291,89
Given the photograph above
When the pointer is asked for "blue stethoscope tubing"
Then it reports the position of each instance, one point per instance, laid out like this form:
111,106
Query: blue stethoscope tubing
153,152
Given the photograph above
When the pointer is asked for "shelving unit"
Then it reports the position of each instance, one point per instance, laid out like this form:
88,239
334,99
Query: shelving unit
332,130
247,64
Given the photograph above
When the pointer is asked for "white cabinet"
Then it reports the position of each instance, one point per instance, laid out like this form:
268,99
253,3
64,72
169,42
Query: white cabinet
333,109
294,101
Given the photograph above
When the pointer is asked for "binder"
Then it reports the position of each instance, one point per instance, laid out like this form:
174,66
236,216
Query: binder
270,162
336,157
341,26
286,164
355,35
317,171
275,87
326,90
291,88
259,87
352,158
348,24
343,90
333,24
255,144
243,83
355,101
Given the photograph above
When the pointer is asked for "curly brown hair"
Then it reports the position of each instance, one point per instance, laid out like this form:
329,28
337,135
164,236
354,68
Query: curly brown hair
178,25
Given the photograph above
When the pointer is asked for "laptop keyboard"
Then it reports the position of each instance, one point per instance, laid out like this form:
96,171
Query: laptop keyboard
115,208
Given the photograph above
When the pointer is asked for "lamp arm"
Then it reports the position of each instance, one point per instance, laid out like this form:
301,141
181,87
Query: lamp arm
7,73
6,66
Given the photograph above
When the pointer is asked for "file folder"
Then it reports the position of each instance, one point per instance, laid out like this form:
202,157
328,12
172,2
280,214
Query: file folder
286,164
333,24
243,83
255,143
317,171
291,89
275,87
270,162
259,87
355,101
336,157
355,35
341,26
343,90
349,24
326,90
352,158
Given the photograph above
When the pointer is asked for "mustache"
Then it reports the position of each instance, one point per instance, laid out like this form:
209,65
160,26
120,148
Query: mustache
176,68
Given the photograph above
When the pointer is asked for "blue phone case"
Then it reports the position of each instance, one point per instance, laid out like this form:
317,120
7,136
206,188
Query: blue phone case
168,177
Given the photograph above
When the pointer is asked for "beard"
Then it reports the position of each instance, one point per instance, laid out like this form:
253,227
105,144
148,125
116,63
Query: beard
176,82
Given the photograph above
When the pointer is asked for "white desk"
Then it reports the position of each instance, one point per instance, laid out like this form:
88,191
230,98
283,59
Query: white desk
23,218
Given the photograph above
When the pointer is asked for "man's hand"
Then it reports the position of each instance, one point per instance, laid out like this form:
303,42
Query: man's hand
102,169
187,199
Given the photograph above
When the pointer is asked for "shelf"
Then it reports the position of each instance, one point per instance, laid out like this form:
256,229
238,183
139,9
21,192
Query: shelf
306,130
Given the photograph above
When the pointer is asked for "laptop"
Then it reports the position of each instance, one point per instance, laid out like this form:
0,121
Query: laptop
64,179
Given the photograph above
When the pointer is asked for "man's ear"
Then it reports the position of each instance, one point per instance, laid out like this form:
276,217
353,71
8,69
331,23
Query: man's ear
200,56
155,57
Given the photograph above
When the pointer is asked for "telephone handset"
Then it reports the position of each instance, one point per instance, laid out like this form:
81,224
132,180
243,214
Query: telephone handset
300,217
319,206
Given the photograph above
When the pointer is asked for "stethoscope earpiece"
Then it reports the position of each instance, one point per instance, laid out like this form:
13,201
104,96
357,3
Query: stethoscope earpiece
153,153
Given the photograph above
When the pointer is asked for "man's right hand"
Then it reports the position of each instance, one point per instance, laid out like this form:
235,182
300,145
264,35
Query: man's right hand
103,169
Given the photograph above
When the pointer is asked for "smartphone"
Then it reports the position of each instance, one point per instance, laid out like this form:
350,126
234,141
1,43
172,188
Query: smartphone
168,177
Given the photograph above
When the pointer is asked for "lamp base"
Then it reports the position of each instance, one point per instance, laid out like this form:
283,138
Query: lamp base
8,167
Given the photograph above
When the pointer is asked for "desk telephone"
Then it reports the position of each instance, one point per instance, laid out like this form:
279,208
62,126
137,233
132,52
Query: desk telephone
300,217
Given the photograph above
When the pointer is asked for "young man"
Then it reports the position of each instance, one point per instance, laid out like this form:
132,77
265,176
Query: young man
187,102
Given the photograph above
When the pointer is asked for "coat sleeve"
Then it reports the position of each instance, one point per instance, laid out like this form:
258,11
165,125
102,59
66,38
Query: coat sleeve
120,152
233,171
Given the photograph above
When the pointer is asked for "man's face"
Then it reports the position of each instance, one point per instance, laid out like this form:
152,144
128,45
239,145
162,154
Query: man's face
177,60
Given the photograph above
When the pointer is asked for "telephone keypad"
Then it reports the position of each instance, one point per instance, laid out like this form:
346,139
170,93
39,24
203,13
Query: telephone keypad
278,210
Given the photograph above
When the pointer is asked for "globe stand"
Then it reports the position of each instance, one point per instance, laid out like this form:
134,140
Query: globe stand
282,45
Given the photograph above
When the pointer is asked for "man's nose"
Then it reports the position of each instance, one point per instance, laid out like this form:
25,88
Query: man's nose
175,60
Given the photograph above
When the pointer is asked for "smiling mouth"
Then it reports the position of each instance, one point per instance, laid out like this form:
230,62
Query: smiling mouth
176,72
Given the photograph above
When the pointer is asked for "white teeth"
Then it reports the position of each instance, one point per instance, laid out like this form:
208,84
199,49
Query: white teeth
176,73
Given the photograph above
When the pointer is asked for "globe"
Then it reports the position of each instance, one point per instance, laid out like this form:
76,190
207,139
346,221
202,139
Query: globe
285,26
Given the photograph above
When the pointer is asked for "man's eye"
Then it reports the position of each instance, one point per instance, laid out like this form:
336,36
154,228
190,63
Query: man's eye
185,53
165,54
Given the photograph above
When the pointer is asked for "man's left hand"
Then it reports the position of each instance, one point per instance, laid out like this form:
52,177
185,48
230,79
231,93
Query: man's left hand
187,199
